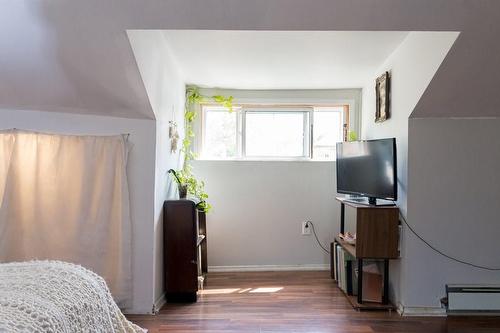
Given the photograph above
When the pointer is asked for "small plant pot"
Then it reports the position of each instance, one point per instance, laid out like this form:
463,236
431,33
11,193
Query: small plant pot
182,191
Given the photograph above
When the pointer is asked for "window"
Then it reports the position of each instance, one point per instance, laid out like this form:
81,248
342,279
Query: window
328,130
220,134
278,133
268,132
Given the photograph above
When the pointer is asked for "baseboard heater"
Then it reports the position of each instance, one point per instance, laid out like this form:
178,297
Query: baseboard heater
472,299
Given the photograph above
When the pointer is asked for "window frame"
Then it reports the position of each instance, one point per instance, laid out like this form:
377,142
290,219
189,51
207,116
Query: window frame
344,117
308,128
218,108
271,110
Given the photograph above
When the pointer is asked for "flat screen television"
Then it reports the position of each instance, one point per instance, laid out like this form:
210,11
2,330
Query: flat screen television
368,169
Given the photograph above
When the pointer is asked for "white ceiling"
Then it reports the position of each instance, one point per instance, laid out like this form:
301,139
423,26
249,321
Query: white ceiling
280,59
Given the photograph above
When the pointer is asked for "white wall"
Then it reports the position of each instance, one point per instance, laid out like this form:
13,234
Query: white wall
140,173
258,208
166,91
412,66
454,188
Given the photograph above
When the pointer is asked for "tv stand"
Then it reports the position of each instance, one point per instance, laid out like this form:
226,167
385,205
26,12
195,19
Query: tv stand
376,239
369,201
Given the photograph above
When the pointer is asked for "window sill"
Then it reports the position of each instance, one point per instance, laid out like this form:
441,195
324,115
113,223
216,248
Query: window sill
263,160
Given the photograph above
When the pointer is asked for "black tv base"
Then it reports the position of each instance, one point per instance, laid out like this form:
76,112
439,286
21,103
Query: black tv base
370,201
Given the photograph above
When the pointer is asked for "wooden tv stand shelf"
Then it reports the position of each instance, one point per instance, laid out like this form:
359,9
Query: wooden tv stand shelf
377,234
351,249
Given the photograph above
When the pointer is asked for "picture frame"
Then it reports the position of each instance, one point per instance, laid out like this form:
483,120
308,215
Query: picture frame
383,100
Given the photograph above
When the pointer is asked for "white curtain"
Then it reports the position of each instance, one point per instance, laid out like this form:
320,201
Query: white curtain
66,198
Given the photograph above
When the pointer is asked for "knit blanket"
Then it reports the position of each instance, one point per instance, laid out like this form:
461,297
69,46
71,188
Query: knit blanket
54,296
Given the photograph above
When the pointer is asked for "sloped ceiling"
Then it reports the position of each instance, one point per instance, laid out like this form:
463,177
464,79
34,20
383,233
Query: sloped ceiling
74,56
68,56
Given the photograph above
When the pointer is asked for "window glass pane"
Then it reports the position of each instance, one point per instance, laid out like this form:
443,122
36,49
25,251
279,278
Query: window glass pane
279,134
220,134
328,131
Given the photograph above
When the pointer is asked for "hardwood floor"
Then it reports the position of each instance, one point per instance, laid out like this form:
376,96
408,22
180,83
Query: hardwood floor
291,302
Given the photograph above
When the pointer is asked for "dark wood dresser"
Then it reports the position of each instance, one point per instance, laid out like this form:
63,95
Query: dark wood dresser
185,250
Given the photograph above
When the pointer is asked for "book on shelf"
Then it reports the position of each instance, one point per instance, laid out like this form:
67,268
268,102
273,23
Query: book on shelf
348,275
345,265
340,266
335,261
349,263
354,276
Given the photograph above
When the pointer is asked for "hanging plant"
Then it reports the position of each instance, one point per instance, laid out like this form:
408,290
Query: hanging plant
184,177
352,136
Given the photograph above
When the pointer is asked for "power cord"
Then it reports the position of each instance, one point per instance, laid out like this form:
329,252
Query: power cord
442,253
316,236
421,239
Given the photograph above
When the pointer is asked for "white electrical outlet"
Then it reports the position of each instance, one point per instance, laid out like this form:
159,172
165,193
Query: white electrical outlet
306,228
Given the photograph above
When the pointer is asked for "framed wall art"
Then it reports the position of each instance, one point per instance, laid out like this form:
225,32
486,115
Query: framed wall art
383,96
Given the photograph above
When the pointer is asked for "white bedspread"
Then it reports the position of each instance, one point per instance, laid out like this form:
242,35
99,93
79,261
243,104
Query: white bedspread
53,296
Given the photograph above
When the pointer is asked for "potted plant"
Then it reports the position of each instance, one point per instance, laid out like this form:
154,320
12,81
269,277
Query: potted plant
187,183
181,186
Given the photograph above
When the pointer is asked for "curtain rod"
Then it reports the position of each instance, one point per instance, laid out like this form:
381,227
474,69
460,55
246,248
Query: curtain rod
127,135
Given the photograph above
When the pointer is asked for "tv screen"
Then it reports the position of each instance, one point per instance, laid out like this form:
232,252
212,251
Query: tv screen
367,168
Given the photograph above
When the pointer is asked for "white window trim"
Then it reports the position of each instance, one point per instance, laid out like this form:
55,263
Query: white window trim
217,108
308,128
326,109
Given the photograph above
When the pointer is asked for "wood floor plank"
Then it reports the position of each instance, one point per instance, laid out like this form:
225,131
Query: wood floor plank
296,302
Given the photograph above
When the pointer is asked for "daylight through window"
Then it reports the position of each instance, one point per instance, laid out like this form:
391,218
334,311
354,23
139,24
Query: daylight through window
273,132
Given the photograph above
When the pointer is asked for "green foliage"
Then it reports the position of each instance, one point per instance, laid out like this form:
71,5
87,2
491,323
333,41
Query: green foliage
226,102
176,177
193,95
194,187
204,206
352,136
190,116
185,176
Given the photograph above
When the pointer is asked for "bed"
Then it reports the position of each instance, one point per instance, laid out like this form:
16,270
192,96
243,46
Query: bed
54,296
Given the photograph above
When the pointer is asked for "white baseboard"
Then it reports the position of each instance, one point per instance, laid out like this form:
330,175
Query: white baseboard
413,311
159,304
269,268
140,311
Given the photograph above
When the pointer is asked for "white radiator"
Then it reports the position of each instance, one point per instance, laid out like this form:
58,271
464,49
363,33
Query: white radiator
473,298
